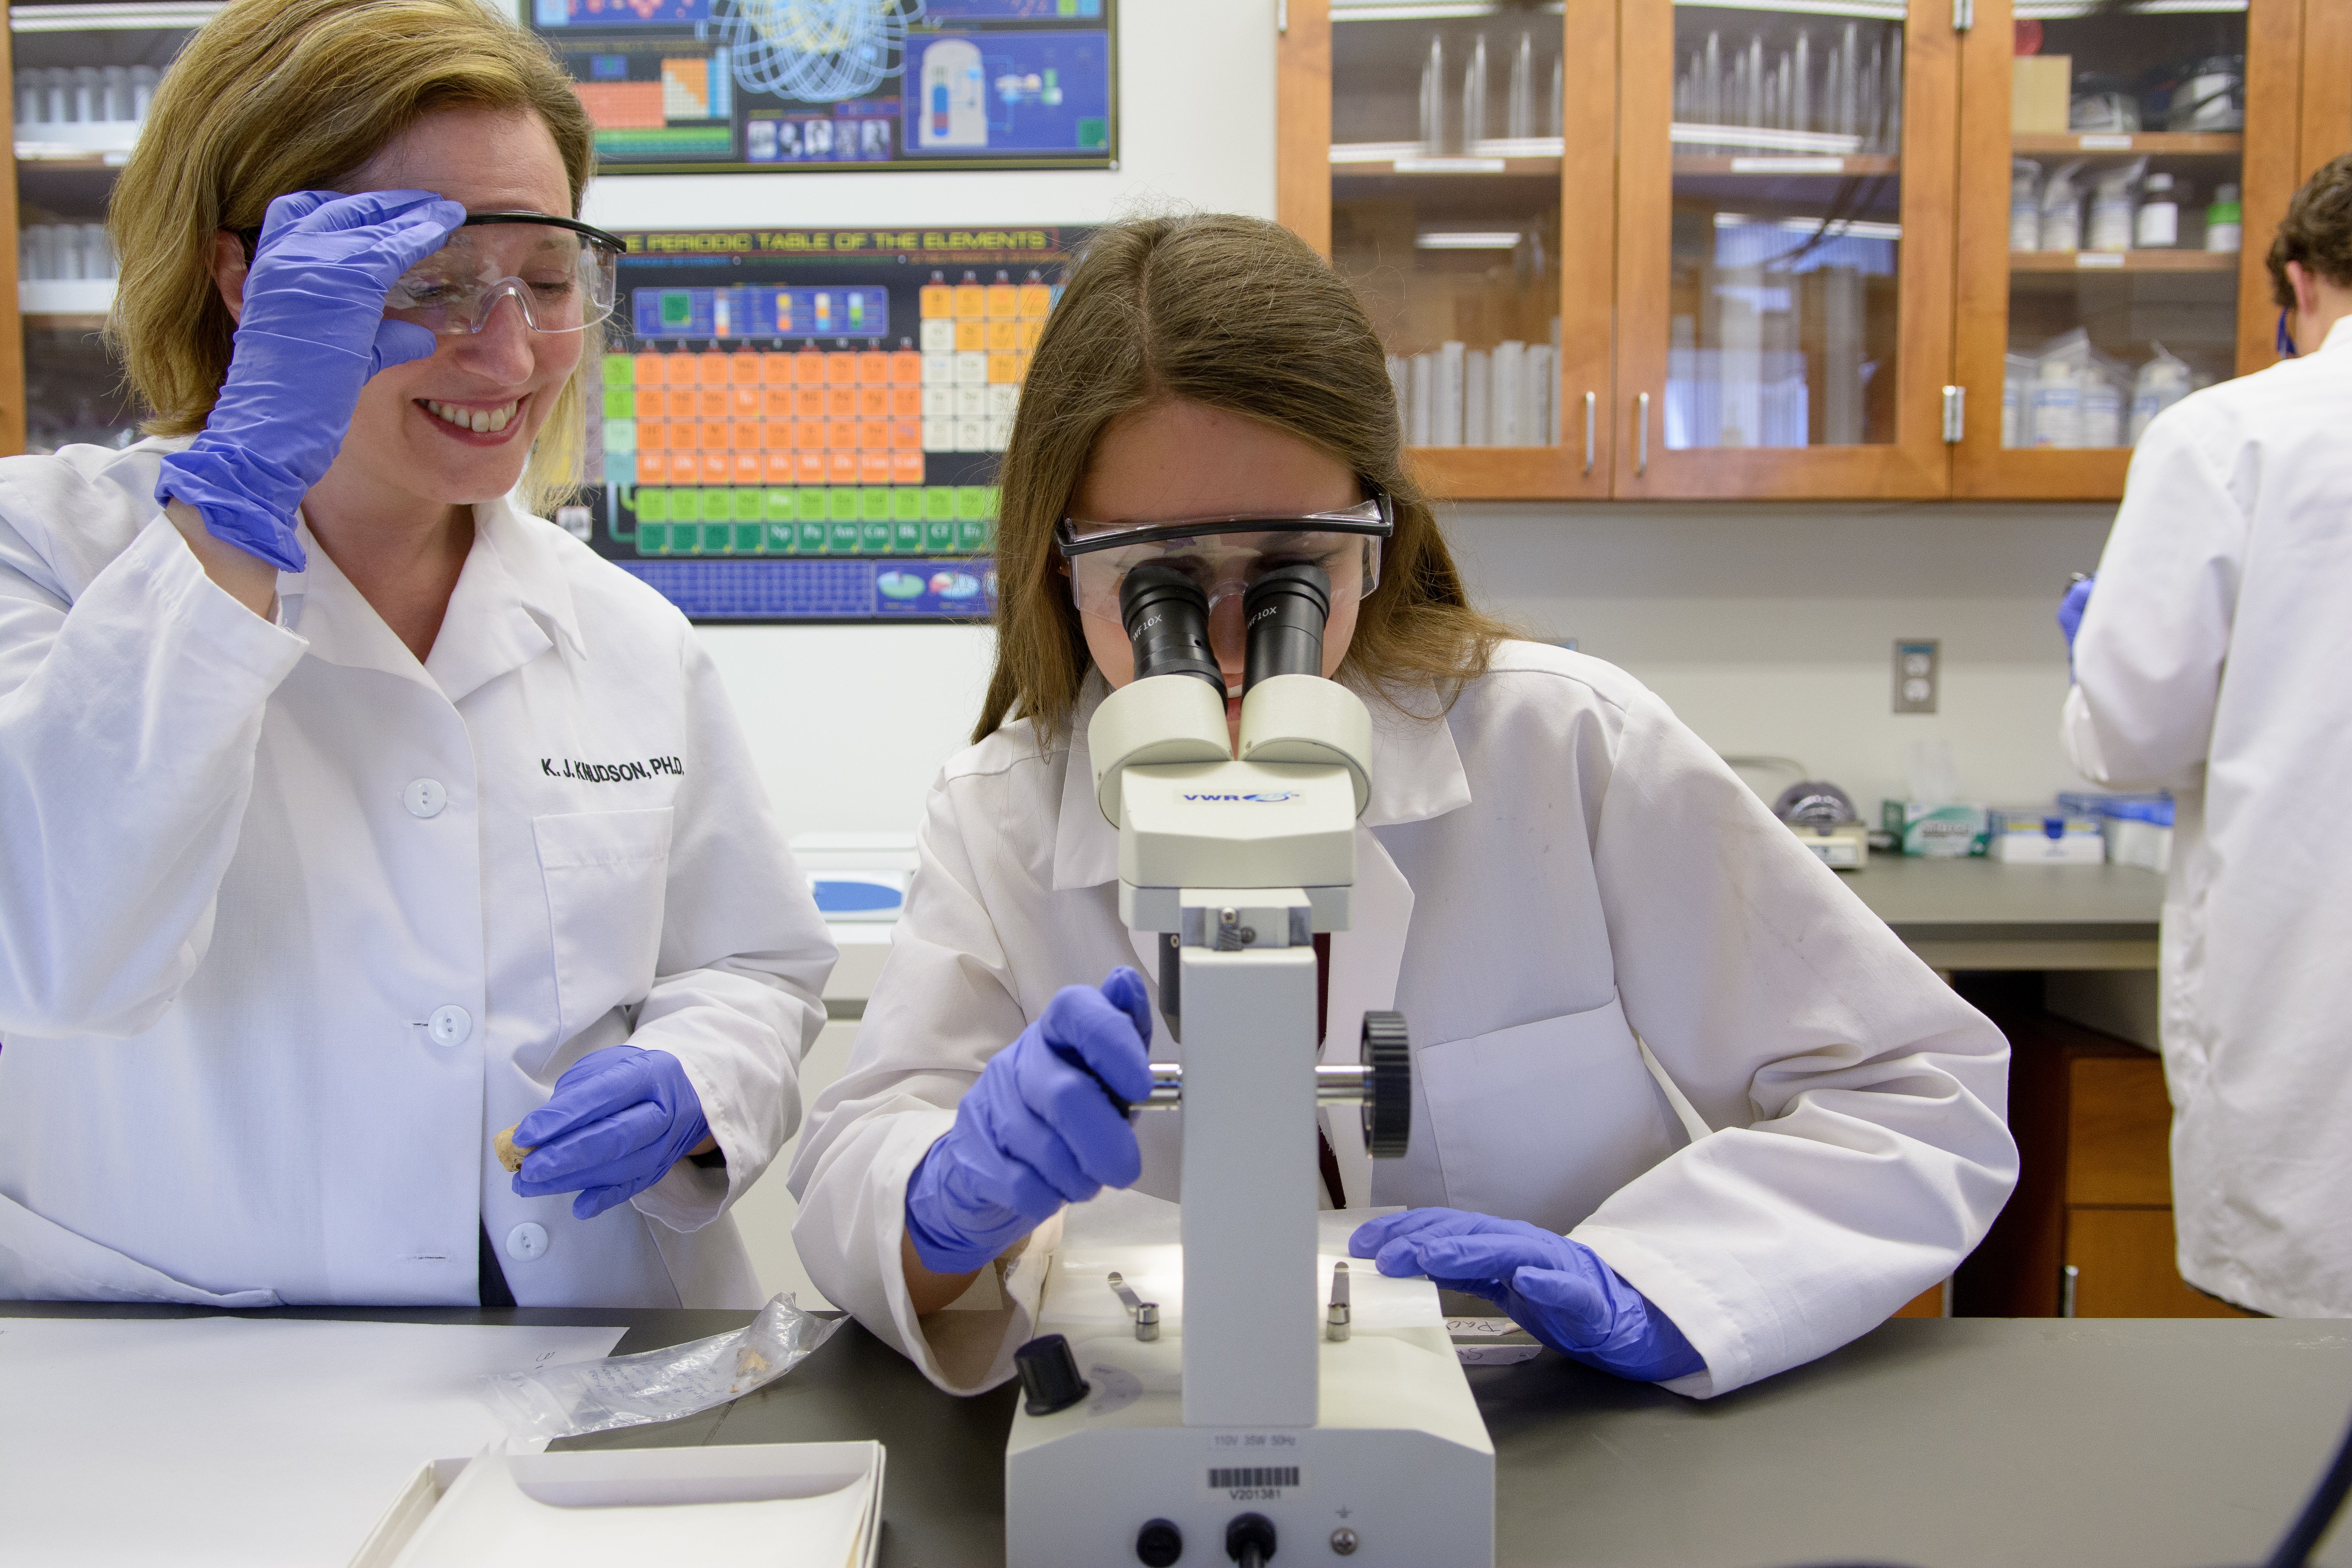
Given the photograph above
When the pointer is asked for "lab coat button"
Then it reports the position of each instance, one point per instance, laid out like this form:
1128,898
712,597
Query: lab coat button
425,797
449,1026
526,1241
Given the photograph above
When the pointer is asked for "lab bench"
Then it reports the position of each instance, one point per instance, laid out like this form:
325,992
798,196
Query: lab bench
2094,1444
1991,915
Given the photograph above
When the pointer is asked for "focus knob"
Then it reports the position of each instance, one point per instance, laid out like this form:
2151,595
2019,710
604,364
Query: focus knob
1049,1375
1388,1104
1158,1544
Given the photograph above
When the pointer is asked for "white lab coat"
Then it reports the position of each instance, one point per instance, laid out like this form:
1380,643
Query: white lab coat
2214,660
291,924
1554,866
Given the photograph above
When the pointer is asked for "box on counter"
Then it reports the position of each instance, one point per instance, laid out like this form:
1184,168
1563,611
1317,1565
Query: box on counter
2138,828
2035,838
1936,830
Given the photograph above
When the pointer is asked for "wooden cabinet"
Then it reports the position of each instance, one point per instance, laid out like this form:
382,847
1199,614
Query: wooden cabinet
78,77
1774,236
2088,1232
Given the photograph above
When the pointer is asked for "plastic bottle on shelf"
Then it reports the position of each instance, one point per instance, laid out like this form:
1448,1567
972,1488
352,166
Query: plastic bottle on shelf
2104,398
1474,96
56,95
1519,113
2225,221
29,106
2162,382
144,81
2158,227
2062,209
2112,204
2024,204
117,94
1433,96
2018,372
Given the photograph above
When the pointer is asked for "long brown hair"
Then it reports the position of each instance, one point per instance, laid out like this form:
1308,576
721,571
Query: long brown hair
273,96
1234,314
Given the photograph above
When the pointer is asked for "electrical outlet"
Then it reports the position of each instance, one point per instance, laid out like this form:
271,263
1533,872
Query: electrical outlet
1918,675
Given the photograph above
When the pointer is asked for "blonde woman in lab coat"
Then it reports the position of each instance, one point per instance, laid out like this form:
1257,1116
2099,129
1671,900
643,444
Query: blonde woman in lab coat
1551,872
351,814
2210,659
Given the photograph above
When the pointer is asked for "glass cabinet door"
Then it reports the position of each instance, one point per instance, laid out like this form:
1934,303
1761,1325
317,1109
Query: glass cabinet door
1783,287
1476,240
81,77
2118,190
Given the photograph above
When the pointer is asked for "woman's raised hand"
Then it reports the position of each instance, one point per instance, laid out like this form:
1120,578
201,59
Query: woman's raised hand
310,333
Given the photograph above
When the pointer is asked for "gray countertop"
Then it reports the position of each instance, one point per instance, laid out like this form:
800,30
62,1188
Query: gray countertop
1934,1442
1986,914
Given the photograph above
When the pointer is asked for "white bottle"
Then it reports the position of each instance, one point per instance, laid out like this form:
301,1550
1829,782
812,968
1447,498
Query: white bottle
2024,204
1477,399
2112,202
2225,221
2103,407
2158,225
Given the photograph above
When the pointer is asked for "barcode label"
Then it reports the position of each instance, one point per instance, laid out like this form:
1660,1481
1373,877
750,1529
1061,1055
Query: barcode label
1220,1478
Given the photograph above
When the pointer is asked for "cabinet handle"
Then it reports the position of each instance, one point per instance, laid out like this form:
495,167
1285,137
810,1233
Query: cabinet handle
1640,434
1956,414
1592,404
2068,1279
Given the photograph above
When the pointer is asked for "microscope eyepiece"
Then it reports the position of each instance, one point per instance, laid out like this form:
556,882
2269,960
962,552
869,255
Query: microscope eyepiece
1284,611
1167,620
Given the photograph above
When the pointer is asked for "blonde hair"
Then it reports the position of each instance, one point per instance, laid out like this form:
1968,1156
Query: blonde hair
1234,314
276,96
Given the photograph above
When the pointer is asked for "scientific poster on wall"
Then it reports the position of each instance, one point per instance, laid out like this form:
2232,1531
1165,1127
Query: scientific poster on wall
806,423
735,86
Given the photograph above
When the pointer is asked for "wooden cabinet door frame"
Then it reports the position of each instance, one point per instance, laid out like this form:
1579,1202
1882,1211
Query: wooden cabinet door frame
2326,108
1574,469
1915,463
1982,468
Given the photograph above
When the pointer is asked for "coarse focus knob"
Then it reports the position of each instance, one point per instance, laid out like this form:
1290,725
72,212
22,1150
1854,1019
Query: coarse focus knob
1159,1544
1388,1101
1249,1539
1049,1375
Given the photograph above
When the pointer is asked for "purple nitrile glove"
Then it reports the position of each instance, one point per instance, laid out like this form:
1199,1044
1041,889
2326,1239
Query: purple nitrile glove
1558,1290
310,334
2071,608
619,1118
1038,1130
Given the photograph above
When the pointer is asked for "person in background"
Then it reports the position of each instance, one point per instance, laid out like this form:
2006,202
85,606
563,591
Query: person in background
348,809
2210,660
1682,1105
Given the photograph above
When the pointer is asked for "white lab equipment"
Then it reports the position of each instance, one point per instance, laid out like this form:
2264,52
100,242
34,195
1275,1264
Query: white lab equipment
1519,111
2057,407
2158,226
2024,204
2114,203
2062,208
1446,394
1247,1415
1432,98
2162,382
1474,95
1477,399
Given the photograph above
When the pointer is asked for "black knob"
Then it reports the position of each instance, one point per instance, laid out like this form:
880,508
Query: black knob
1249,1539
1387,1107
1159,1544
1049,1375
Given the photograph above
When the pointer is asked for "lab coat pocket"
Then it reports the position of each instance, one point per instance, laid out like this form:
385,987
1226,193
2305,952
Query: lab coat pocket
606,874
1542,1122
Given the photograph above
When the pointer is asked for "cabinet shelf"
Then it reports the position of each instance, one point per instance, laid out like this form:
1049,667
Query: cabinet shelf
2123,261
1361,160
2164,144
65,297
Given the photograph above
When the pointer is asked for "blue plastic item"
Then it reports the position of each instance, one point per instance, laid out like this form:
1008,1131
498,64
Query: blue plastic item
845,898
619,1118
1558,1290
1039,1128
312,334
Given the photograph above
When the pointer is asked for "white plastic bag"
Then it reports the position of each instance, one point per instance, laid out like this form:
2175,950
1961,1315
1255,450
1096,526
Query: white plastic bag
659,1386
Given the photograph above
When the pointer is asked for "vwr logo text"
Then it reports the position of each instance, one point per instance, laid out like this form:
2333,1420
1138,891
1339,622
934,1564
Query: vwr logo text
1269,798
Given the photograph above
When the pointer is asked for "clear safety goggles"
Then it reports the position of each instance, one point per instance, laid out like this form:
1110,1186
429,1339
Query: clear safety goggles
1227,555
563,274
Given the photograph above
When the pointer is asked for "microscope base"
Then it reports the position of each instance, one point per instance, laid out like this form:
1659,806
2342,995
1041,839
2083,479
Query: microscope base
1399,1460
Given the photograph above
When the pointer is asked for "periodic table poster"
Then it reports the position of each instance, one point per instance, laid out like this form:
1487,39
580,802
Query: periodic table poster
805,424
698,86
